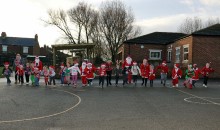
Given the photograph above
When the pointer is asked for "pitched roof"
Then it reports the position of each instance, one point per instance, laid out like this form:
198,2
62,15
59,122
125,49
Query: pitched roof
156,38
213,30
17,41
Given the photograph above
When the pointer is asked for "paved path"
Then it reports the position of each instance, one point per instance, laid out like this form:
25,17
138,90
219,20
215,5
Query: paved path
111,108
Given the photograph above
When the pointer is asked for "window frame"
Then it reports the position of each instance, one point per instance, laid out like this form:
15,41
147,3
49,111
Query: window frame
179,54
3,48
24,49
185,46
169,55
155,50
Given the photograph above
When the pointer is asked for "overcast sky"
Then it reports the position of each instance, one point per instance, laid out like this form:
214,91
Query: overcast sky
21,18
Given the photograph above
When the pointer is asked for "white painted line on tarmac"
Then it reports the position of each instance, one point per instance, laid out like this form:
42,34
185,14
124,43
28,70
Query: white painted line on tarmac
198,97
188,100
55,114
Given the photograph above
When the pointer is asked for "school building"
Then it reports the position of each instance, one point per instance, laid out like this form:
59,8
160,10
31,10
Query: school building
199,47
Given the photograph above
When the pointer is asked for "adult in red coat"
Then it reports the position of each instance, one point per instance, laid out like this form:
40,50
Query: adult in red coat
145,69
38,63
176,74
151,75
206,70
195,77
163,72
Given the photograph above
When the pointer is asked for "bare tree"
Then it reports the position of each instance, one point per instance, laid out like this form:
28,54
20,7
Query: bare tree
59,19
191,25
211,22
116,23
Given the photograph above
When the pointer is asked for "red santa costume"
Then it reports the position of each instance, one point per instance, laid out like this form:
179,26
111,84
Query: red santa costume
145,68
90,73
83,70
197,72
206,70
151,75
163,72
102,74
176,74
38,63
21,74
128,62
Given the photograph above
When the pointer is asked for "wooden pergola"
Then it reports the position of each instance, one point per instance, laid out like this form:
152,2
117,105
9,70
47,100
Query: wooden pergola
74,48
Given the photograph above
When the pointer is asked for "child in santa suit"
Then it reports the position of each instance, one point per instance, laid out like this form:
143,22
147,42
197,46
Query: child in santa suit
176,74
135,70
62,74
145,68
109,68
74,70
189,74
128,62
27,72
163,72
21,74
7,72
90,73
195,77
83,70
151,75
36,76
52,75
46,75
102,74
206,70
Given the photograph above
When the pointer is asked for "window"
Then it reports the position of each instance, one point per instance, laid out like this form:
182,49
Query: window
185,52
169,55
155,54
4,48
177,54
25,49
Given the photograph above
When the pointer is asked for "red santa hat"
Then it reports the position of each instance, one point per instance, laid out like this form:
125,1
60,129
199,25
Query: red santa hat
134,63
103,65
52,67
6,64
164,62
36,57
194,65
177,65
62,65
89,63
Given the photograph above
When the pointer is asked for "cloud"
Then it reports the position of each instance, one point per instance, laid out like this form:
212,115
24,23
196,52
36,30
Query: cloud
187,2
210,2
166,23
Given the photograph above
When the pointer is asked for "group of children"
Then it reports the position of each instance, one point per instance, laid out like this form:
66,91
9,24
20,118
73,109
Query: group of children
129,70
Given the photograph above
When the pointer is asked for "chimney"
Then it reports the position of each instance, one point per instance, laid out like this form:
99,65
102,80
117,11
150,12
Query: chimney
3,35
36,37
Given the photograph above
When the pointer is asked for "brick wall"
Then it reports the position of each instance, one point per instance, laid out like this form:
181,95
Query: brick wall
207,49
181,43
138,54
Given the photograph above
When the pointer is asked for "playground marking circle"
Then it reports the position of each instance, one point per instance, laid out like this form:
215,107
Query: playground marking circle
51,115
202,98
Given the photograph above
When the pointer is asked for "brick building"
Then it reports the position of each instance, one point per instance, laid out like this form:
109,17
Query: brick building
10,46
199,47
